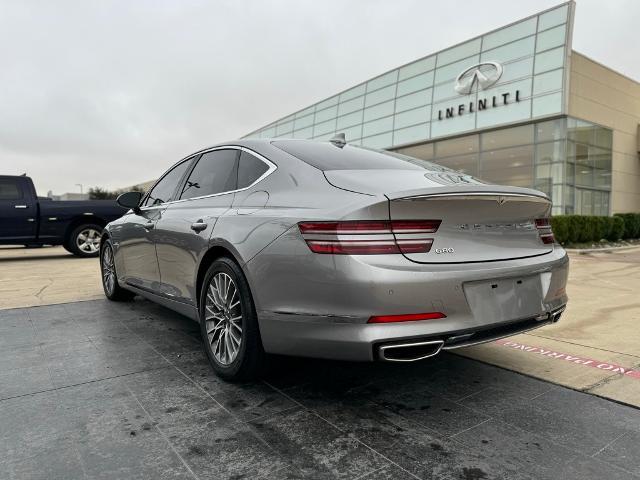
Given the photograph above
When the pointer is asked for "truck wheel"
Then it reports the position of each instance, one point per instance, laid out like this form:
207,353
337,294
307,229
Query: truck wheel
84,241
112,290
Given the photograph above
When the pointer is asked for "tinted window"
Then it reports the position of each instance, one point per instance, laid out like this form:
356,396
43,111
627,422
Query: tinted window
9,190
215,172
326,156
166,187
250,169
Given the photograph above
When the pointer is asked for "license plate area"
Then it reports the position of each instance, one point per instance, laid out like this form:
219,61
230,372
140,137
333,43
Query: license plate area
505,299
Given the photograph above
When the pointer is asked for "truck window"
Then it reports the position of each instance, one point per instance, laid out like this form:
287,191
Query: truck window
9,190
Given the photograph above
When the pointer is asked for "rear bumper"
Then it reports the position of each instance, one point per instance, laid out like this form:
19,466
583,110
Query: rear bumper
318,305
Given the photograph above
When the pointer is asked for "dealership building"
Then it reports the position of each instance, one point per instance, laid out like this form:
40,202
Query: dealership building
515,106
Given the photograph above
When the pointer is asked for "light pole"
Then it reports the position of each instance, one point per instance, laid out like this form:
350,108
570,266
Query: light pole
79,185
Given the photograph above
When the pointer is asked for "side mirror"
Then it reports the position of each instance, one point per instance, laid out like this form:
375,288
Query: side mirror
130,200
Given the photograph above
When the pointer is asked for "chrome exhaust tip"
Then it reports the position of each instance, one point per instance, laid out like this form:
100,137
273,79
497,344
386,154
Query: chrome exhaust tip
410,352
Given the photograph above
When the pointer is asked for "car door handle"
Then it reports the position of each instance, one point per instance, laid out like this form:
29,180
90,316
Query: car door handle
149,226
21,206
198,226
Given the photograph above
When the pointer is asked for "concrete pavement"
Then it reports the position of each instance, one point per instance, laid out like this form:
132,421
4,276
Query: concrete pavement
593,348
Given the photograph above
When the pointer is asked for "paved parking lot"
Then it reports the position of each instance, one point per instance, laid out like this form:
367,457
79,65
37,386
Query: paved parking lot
100,390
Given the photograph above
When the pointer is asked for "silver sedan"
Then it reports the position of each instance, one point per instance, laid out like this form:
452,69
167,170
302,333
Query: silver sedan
328,250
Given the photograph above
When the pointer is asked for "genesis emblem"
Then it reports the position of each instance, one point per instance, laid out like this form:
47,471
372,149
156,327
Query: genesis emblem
444,250
484,74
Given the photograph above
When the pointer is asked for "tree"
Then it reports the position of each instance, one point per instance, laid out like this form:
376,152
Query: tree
97,193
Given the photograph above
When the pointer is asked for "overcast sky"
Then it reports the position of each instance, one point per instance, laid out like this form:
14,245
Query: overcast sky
110,93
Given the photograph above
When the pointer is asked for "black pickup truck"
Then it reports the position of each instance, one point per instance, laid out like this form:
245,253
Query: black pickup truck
26,219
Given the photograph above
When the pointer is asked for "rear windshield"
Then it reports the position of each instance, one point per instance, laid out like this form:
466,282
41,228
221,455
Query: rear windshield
327,156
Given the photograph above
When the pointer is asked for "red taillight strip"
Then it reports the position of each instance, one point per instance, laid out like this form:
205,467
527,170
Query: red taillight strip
411,317
362,237
544,230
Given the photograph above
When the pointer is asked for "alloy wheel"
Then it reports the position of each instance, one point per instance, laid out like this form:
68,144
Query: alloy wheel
108,270
88,240
223,318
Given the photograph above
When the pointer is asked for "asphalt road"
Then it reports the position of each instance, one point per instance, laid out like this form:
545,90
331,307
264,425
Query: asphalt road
101,390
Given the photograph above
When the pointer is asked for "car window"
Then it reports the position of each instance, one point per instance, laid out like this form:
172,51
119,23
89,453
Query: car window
250,169
164,190
9,190
327,156
215,172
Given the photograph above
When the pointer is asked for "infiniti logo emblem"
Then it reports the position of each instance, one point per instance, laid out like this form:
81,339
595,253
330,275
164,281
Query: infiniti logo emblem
484,74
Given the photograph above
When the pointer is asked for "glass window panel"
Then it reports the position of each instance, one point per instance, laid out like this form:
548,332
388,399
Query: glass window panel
329,102
352,93
382,81
456,53
552,18
349,120
581,131
509,166
378,141
463,163
377,126
507,137
377,111
417,67
352,133
445,91
326,114
268,132
548,82
305,133
284,128
412,134
324,128
549,60
551,130
458,146
513,112
424,151
449,126
511,51
519,69
413,100
509,34
303,122
415,83
550,152
215,172
603,137
381,95
351,106
547,104
551,38
570,173
600,158
524,86
584,176
306,111
453,70
412,117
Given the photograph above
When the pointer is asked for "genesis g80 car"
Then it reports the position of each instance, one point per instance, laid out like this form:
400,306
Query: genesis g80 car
329,250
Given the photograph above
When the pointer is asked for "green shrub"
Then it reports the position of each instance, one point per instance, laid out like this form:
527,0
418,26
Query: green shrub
560,227
631,224
616,229
589,228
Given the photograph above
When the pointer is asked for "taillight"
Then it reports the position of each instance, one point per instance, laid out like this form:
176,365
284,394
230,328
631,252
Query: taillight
411,317
544,230
369,237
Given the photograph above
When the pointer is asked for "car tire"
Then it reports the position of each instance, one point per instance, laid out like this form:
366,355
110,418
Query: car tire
112,290
84,240
227,312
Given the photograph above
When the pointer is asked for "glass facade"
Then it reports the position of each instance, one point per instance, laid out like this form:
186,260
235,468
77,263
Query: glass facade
568,159
406,105
512,129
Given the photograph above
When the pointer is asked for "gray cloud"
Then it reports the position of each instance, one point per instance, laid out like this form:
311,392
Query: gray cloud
111,93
